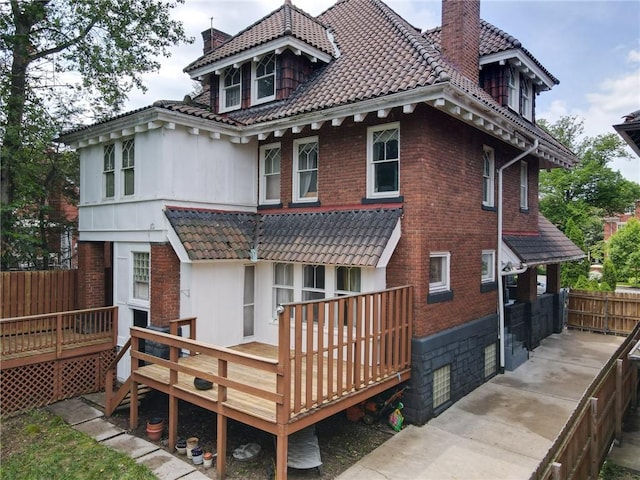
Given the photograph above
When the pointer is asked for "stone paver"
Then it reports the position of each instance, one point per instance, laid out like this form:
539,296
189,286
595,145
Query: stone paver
74,411
165,466
133,446
99,429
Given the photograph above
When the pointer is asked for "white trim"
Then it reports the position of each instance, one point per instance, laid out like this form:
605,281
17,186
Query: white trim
296,180
524,185
514,56
390,247
222,108
491,276
254,79
491,188
445,284
371,193
263,180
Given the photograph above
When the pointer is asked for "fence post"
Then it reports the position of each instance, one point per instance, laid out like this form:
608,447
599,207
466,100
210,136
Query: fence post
618,437
595,447
606,313
556,469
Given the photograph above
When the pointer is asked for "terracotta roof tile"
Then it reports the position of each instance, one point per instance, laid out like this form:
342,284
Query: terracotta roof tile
549,246
286,20
352,237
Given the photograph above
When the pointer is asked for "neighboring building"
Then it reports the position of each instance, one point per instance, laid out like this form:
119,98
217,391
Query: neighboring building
343,153
616,222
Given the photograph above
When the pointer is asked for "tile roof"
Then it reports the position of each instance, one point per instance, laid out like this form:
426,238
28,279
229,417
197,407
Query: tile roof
492,40
630,130
349,237
550,245
287,20
213,235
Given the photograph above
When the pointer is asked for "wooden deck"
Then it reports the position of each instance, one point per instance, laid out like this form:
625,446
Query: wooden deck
333,353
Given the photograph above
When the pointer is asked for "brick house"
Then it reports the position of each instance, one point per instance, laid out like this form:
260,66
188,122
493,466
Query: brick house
324,160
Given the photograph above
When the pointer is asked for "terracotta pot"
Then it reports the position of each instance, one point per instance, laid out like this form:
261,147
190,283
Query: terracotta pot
155,427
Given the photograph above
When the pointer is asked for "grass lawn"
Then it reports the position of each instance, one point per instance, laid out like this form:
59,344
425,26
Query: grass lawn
39,445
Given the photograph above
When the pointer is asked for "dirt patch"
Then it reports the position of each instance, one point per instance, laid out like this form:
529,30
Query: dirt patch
342,443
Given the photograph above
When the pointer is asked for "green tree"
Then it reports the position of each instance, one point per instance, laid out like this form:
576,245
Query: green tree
633,264
589,191
609,274
571,272
623,247
61,53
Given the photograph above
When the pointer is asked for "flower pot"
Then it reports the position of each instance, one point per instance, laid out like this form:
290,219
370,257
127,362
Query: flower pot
181,446
192,443
155,426
196,455
207,459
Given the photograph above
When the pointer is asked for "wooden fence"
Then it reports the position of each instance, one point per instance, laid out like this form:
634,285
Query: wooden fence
34,293
604,312
582,446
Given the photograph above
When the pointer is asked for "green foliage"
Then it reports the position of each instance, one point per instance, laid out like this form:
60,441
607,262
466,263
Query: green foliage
590,190
623,249
609,274
571,272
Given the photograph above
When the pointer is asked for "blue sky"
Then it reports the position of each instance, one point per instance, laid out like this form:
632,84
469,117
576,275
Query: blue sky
592,47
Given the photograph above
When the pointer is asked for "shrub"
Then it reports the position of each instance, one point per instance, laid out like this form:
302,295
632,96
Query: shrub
609,274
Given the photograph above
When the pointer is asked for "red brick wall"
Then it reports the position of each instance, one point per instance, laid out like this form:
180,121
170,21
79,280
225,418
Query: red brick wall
165,285
461,35
91,277
441,182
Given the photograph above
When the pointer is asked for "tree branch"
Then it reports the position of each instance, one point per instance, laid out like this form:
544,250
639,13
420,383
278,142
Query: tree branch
64,45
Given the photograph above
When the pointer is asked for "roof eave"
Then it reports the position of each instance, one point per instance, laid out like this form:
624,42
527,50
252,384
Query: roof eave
542,79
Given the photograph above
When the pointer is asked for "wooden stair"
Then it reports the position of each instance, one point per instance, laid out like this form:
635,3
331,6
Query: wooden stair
122,397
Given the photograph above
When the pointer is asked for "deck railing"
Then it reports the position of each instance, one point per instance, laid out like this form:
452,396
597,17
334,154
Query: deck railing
53,336
343,344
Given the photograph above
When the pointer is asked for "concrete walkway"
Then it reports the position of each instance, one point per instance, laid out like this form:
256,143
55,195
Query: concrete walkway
90,421
503,429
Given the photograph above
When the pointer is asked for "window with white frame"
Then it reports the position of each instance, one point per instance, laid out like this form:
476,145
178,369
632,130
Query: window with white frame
282,284
441,385
524,186
109,170
305,175
526,98
488,266
264,74
312,282
513,97
141,272
383,160
231,89
488,176
519,93
439,272
348,280
270,173
128,166
248,329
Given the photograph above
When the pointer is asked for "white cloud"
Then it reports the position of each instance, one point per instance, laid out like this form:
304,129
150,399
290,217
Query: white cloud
633,56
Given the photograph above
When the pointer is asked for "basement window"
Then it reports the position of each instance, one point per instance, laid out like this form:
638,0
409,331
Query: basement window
489,360
441,386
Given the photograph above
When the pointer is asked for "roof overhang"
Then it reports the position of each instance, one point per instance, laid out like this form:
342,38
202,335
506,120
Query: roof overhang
254,54
630,132
524,64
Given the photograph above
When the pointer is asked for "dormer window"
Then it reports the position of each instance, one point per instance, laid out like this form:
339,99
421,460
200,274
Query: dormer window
264,76
520,93
231,89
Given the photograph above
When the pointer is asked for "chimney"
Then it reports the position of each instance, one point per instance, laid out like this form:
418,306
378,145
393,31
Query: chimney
212,38
461,35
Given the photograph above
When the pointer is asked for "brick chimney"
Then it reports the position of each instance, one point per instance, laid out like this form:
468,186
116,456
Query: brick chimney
461,35
212,38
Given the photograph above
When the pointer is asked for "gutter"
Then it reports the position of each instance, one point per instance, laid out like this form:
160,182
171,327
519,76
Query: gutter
523,267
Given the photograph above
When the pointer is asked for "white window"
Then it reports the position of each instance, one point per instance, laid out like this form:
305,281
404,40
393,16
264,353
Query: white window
513,82
282,285
305,175
141,275
109,170
488,266
383,160
312,282
348,280
270,173
488,176
526,98
439,272
230,89
524,186
441,385
264,74
128,166
249,301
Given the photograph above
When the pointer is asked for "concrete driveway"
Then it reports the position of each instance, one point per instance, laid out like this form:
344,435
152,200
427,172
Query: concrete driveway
503,429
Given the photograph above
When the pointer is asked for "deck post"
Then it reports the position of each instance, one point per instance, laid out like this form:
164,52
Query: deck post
173,421
618,405
281,456
133,405
221,446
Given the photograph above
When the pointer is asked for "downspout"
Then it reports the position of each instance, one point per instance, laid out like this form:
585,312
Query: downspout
499,261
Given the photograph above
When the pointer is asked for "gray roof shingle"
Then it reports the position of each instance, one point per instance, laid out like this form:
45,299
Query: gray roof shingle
550,245
348,237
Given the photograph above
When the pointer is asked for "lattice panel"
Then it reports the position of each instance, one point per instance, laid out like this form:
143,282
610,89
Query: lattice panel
79,375
27,386
106,358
